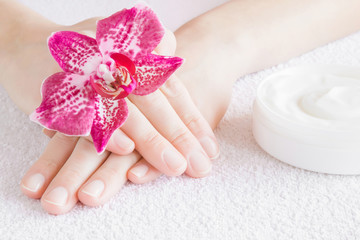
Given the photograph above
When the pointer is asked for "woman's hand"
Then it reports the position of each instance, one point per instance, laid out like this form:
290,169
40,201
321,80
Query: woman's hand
183,137
167,145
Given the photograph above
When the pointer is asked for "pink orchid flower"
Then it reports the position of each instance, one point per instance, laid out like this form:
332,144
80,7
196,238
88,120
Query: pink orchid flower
89,96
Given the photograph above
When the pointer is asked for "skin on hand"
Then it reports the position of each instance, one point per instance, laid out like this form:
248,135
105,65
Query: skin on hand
77,173
217,51
61,176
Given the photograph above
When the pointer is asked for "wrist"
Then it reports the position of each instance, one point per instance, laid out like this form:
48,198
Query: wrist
205,72
20,29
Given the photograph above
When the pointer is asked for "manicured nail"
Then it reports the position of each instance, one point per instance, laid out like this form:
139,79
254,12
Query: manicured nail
123,142
200,163
34,182
210,147
95,188
173,160
140,170
58,196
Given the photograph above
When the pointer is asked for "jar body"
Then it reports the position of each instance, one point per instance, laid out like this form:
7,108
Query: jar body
327,150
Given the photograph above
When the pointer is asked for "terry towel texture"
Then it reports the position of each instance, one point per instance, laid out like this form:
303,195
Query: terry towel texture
249,194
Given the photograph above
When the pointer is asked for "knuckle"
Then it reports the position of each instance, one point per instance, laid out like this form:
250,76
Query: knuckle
192,121
179,136
173,88
152,138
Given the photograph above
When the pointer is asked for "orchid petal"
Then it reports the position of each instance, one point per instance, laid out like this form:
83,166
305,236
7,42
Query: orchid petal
67,105
110,114
152,71
130,32
74,52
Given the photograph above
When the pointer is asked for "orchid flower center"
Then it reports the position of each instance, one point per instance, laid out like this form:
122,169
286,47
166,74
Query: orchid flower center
115,80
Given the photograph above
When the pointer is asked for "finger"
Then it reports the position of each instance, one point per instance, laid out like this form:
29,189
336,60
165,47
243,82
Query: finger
61,194
162,116
119,142
49,133
45,168
167,45
152,145
107,180
181,101
142,172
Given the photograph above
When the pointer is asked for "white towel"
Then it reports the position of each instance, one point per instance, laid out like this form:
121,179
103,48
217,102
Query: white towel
249,194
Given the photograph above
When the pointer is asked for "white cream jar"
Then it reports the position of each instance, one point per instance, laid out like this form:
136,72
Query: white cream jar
309,117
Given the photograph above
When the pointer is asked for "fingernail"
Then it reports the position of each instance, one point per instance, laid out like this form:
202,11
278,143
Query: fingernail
200,163
123,142
95,188
58,196
173,160
34,182
140,170
210,147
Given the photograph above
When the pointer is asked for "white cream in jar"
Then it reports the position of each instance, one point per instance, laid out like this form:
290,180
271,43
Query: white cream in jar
309,117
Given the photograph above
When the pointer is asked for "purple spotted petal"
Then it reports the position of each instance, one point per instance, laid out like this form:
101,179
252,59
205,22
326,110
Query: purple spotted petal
74,52
132,32
109,115
67,105
152,71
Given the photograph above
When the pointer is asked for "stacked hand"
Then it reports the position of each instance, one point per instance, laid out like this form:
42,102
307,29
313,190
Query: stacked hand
164,133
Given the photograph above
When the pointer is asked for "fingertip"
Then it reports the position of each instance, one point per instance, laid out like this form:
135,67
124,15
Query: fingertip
199,174
33,185
29,192
57,201
199,165
210,146
119,143
89,200
139,171
48,132
180,170
142,172
91,193
107,180
175,163
54,209
125,149
124,144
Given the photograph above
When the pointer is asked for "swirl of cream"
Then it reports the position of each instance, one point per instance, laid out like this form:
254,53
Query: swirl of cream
324,98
